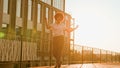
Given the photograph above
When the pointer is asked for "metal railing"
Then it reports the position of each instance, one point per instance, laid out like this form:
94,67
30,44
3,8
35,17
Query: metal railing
20,52
84,54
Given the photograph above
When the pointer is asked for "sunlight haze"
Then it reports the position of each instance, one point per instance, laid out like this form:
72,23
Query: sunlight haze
99,23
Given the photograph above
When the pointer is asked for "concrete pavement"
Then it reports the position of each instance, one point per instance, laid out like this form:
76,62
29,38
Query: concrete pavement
85,66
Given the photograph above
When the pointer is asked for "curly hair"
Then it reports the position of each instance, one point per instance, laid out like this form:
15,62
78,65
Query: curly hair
59,14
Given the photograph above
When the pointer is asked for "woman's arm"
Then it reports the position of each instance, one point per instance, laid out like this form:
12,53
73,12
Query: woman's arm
71,29
47,25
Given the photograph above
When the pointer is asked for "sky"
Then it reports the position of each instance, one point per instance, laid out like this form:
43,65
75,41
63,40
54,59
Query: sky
99,23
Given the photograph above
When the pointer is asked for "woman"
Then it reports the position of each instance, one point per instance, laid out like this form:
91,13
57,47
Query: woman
58,28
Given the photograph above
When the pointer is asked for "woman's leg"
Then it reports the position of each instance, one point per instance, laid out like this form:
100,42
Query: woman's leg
58,43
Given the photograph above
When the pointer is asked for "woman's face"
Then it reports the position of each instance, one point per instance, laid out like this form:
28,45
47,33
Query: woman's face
59,18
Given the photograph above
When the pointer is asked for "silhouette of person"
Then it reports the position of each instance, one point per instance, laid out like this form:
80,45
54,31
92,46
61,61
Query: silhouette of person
58,28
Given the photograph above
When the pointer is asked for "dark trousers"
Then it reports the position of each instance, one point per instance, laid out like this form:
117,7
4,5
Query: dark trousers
58,43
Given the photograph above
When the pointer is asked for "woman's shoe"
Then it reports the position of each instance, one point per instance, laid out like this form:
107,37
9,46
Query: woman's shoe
55,67
59,64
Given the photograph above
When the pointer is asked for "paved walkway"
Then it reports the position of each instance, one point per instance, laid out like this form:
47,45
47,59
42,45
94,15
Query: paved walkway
85,66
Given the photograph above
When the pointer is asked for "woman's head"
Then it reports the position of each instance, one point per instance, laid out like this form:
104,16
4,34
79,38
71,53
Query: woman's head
59,17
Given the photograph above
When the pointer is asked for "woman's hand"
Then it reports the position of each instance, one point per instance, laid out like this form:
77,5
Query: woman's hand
71,29
76,27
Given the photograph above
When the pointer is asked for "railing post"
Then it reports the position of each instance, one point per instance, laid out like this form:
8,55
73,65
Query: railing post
100,55
119,57
106,57
21,50
51,43
82,54
92,55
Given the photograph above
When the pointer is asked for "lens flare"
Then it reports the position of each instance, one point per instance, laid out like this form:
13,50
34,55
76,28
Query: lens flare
2,34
